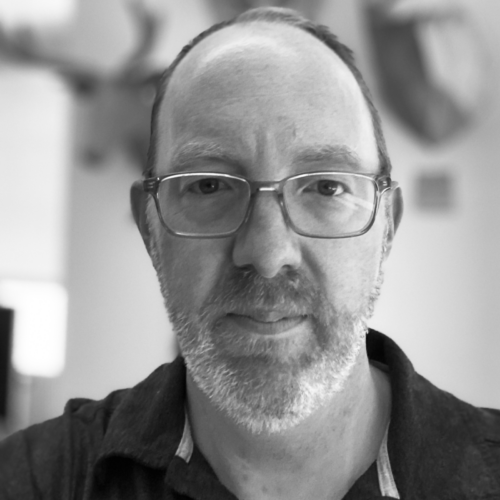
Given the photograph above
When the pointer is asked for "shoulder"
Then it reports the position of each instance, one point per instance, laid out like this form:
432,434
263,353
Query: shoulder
439,442
459,442
59,459
456,415
484,426
52,457
463,436
489,430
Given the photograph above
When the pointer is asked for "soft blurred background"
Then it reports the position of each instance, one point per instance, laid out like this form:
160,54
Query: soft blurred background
76,83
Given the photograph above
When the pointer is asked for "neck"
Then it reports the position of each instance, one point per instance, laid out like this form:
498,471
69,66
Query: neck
335,445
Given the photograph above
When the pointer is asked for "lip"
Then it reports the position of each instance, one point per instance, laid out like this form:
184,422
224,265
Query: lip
266,323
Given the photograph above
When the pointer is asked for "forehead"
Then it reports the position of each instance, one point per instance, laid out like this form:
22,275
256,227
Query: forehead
268,91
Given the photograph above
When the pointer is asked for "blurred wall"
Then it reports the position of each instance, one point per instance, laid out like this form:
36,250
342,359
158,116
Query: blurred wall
442,294
440,300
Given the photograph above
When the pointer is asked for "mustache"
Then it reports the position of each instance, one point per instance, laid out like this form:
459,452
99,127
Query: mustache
241,289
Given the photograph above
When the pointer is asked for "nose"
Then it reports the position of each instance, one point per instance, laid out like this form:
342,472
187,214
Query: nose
266,242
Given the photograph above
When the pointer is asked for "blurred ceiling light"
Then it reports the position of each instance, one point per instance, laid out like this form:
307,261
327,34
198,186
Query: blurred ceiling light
36,12
40,313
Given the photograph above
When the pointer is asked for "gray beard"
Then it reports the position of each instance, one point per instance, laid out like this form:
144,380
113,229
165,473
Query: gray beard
264,384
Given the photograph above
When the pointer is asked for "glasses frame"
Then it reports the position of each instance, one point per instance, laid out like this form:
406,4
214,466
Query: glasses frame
382,183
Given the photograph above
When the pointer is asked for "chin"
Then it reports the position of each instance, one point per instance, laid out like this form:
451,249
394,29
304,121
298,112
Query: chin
265,391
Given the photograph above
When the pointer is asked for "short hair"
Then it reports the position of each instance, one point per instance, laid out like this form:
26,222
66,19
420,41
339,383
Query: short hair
272,15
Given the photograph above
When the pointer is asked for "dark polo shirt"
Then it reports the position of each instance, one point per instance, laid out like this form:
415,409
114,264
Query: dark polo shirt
126,446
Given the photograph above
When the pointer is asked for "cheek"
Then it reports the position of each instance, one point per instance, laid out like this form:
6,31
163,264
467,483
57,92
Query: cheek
347,269
192,267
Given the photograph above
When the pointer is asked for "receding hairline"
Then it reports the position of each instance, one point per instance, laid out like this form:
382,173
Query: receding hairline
258,41
272,16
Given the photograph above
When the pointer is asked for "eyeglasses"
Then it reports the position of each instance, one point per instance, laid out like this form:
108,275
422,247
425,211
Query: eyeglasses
315,204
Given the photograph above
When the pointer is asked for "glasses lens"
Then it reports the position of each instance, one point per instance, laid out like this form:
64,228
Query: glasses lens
330,204
203,204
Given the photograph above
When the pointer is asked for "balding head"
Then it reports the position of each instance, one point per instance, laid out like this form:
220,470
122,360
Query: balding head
271,32
265,79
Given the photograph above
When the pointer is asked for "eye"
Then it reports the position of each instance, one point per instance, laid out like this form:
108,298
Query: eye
208,185
328,187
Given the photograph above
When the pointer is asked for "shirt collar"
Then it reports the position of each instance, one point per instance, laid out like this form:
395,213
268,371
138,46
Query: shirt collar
186,445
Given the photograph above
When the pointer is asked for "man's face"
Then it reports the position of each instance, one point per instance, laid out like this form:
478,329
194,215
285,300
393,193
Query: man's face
270,322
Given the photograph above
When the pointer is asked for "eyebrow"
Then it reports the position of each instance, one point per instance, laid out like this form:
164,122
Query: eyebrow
190,152
332,154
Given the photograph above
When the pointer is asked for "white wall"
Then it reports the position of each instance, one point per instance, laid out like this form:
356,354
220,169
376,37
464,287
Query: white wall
117,329
440,301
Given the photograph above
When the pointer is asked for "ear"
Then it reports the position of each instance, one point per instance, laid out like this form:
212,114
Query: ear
138,201
395,214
